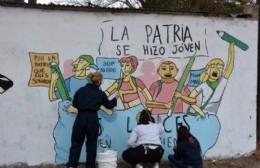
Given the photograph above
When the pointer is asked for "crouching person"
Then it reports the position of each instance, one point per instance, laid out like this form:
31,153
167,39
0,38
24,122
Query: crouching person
187,153
144,145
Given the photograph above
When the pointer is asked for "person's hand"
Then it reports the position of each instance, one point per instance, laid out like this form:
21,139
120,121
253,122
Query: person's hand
117,95
202,115
168,105
174,149
54,76
177,95
71,109
107,111
208,70
159,120
174,145
129,146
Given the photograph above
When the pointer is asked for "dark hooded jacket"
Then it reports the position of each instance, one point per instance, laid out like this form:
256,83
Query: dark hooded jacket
189,152
90,98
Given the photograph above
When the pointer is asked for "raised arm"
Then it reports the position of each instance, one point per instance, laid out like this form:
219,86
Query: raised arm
230,64
54,79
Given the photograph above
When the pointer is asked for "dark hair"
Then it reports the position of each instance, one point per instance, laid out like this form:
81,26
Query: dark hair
183,133
145,117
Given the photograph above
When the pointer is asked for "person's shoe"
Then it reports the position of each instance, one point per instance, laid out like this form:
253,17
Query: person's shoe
138,166
156,165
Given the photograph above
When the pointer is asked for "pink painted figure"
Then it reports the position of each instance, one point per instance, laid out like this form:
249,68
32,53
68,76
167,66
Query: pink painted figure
163,90
128,86
149,73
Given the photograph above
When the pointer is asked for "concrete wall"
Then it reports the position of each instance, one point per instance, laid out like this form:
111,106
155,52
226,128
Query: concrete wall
36,129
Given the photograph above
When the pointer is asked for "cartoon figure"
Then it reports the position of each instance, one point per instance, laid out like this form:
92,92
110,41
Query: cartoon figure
163,90
149,73
128,85
67,113
5,83
214,80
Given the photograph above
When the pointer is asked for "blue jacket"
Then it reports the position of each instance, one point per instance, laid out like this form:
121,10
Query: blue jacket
89,99
189,152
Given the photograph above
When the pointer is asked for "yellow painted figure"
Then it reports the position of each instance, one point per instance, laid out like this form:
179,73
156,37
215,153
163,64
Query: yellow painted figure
80,67
214,79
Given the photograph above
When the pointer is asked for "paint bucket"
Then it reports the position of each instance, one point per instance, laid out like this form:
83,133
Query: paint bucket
107,159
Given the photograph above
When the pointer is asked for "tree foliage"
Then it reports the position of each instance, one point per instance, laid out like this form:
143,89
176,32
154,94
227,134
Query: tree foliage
213,6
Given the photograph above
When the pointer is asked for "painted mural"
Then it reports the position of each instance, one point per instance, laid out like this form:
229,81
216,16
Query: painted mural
179,93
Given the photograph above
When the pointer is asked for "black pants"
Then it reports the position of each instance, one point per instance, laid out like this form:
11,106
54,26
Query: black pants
86,126
140,155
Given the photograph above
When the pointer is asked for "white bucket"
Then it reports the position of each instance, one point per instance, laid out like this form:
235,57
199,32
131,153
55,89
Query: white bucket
107,159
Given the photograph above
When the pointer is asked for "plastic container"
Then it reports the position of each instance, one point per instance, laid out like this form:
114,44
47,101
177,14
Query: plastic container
107,159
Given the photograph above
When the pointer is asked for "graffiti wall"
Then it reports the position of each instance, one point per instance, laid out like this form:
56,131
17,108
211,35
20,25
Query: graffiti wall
190,70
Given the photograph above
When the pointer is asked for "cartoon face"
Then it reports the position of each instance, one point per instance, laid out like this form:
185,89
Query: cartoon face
215,72
126,68
167,70
79,65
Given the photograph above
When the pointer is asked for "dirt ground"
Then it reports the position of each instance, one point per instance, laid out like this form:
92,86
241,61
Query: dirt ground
242,162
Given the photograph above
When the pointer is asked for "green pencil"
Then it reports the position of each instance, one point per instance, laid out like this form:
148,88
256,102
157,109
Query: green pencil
60,83
181,82
230,39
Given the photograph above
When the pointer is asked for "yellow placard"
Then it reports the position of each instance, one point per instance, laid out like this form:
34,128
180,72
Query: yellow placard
41,71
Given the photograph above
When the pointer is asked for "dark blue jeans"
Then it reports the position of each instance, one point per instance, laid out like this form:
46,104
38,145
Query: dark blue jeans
86,127
181,164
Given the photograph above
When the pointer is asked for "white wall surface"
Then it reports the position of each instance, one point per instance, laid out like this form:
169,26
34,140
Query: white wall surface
28,117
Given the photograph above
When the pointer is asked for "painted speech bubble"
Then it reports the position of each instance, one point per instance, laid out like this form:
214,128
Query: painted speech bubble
109,67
